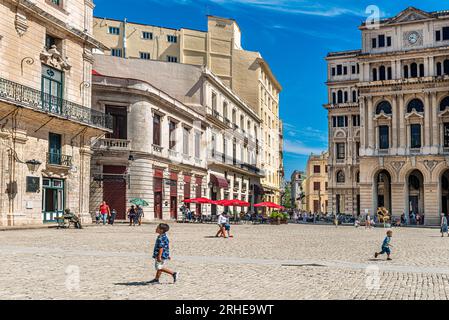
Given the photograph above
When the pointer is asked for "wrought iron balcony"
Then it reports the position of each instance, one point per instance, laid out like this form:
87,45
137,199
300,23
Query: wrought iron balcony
113,144
220,157
27,97
59,159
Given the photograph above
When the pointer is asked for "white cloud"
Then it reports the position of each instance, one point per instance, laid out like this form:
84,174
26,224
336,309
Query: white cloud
299,7
298,148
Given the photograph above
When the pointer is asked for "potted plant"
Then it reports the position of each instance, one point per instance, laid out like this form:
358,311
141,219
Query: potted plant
285,217
275,218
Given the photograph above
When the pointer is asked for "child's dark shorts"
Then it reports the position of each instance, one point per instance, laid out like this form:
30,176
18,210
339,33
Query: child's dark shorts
385,250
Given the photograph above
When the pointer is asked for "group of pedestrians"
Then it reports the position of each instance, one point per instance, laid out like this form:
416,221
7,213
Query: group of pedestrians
105,215
135,215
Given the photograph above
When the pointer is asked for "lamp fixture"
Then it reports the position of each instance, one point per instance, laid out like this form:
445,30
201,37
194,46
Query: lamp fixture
33,165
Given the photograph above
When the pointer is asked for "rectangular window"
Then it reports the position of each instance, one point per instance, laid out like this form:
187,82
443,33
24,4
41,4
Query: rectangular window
438,35
316,169
334,122
415,135
381,41
316,186
345,70
445,33
446,135
197,144
186,135
114,31
116,52
388,41
356,121
353,69
342,121
172,133
172,39
157,130
340,151
147,35
374,43
339,70
144,55
172,59
333,72
384,141
357,149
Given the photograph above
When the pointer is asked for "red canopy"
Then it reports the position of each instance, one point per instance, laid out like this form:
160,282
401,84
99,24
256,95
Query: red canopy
269,205
198,200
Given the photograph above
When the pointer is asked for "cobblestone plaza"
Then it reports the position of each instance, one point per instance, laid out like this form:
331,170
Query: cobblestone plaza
294,262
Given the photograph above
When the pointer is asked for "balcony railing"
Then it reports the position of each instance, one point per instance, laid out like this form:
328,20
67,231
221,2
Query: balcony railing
20,95
220,157
113,144
59,159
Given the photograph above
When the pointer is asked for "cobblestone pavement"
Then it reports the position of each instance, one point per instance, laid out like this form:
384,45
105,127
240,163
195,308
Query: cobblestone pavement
261,262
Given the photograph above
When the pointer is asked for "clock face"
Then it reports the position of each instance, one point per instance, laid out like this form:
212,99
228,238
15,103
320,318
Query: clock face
413,37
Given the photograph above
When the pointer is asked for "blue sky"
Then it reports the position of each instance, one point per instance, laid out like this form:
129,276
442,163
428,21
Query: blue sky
294,36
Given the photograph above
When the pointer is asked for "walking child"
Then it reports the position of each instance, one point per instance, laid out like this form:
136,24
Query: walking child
386,246
161,254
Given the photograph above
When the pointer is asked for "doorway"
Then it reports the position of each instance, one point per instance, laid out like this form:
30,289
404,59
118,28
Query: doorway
53,200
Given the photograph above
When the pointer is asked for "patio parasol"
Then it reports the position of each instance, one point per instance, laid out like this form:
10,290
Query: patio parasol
139,202
269,205
199,201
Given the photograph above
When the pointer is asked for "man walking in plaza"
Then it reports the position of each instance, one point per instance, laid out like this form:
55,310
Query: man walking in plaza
105,212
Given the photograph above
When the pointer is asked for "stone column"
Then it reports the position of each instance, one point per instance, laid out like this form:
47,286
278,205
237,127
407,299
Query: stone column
435,124
402,134
427,129
398,198
363,125
394,127
431,203
431,72
370,126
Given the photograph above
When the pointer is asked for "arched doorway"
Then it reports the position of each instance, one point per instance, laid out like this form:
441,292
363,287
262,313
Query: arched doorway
415,194
444,184
383,190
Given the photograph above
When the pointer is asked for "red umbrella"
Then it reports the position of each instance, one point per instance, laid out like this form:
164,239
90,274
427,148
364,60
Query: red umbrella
198,201
269,205
232,203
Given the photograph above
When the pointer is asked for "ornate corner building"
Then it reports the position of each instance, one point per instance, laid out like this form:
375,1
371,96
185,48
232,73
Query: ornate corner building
46,123
389,118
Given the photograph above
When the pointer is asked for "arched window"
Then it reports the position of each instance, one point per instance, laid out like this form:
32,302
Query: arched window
446,66
421,70
340,96
382,73
340,177
389,73
334,98
354,96
384,107
416,104
405,71
374,74
439,69
414,70
444,104
346,96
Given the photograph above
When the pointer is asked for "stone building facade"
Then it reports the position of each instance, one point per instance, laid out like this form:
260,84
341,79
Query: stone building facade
220,50
401,89
46,123
297,190
208,137
316,184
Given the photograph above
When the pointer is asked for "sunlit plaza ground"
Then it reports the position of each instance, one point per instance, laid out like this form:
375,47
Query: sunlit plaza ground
261,262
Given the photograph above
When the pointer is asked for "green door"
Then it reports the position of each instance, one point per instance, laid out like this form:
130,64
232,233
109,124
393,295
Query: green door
52,199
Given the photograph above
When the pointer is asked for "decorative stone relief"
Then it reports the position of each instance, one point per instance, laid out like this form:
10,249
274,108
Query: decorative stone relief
54,58
397,165
21,23
87,55
431,164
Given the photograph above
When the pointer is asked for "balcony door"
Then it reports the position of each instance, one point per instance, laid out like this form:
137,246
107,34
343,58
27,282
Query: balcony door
52,88
119,122
52,199
54,149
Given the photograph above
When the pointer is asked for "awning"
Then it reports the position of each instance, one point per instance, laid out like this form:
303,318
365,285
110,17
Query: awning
219,181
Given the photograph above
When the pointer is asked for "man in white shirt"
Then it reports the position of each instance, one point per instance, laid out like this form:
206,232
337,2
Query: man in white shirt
221,224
